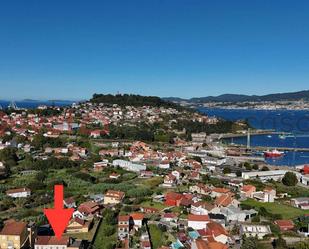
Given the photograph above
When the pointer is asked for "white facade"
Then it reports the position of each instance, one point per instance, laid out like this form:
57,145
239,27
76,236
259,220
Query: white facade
198,210
22,194
197,225
129,165
50,246
251,230
265,175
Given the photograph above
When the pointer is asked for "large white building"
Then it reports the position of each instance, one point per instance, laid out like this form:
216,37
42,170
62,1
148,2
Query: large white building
129,165
264,175
254,230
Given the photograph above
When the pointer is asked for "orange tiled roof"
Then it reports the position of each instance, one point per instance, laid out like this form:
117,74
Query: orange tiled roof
193,217
137,216
13,228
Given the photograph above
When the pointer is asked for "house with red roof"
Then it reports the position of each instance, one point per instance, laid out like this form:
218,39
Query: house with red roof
226,200
123,226
137,219
18,192
149,210
247,190
51,242
113,197
285,225
169,181
198,221
169,217
200,189
77,225
69,202
172,199
89,209
203,244
14,235
202,208
217,192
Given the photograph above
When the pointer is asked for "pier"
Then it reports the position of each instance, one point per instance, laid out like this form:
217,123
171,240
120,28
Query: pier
264,148
252,133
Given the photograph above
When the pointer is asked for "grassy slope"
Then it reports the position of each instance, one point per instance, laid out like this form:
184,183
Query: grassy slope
287,212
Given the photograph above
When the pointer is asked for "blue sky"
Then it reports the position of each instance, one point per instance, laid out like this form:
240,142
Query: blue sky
70,49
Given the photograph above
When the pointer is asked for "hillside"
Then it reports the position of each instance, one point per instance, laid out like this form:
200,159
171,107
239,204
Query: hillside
292,96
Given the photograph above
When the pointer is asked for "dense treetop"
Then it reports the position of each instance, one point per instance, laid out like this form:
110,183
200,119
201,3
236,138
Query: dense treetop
132,100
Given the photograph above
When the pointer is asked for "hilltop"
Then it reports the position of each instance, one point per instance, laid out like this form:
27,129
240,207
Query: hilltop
132,100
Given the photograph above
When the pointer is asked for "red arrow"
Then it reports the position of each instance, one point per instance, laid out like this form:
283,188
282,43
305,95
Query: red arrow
58,217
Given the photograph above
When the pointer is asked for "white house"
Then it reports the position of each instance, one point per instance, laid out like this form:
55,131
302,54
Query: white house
169,181
176,174
302,202
18,192
197,221
267,195
138,219
164,164
201,208
233,213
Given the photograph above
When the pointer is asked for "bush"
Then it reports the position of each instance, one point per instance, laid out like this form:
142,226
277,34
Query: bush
226,170
289,179
108,230
84,176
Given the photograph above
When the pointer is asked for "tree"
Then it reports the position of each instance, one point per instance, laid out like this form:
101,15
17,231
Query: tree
289,179
108,230
238,173
279,243
249,243
255,166
301,245
226,170
265,168
247,166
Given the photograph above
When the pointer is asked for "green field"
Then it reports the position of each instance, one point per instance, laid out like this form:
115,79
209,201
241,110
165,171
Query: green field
102,241
287,212
153,204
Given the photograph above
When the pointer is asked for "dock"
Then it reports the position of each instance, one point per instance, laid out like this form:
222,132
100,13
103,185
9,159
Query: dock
252,133
264,148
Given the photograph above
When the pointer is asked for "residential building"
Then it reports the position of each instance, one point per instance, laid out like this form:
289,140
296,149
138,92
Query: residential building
285,225
123,226
112,197
197,221
18,192
77,225
254,230
14,235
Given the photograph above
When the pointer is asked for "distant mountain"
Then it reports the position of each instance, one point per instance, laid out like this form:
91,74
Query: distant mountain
292,96
30,100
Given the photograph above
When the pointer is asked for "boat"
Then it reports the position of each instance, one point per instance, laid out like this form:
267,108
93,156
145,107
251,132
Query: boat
282,136
273,153
269,136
